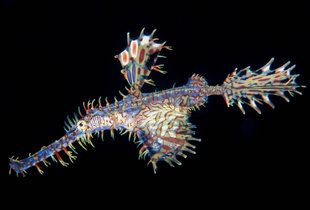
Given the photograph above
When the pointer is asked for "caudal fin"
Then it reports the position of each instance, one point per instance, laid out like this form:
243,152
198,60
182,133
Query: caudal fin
248,87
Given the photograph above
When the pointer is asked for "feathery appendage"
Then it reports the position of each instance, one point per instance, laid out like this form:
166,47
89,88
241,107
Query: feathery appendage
248,87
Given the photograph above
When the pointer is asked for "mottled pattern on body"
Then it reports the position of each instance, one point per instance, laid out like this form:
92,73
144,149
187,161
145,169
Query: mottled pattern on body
159,121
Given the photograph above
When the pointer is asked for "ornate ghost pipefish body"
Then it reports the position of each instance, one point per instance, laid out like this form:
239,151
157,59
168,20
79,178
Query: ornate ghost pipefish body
159,121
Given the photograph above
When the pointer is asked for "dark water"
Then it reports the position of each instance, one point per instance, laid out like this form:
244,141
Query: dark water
61,53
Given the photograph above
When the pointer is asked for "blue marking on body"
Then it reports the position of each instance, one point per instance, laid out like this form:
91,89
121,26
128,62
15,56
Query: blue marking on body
133,72
129,76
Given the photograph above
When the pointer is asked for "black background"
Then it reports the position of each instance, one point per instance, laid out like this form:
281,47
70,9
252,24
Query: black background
61,53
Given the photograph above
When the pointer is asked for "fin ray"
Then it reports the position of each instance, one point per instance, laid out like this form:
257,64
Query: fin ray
165,134
139,58
246,86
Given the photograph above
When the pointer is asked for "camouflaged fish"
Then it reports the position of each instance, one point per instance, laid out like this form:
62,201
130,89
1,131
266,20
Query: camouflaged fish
159,121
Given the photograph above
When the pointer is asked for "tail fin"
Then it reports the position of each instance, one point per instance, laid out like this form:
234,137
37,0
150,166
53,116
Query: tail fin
246,86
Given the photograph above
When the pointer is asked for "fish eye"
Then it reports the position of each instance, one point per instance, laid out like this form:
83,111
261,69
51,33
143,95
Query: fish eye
81,125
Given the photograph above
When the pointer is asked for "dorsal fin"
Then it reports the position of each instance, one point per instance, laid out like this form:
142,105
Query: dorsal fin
138,59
